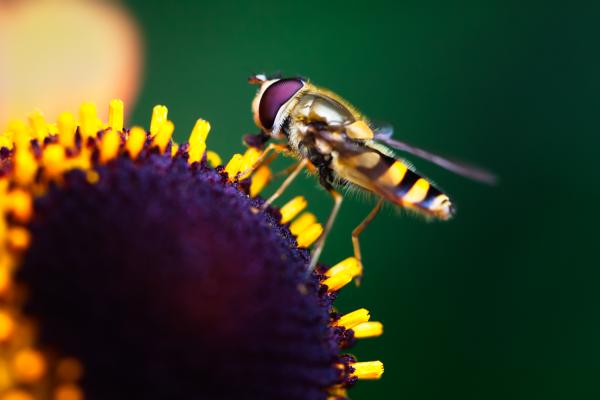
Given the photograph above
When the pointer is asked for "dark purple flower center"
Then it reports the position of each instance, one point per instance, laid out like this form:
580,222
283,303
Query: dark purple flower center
166,285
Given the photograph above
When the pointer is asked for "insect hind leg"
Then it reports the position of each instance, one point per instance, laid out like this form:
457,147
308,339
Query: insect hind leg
361,227
337,203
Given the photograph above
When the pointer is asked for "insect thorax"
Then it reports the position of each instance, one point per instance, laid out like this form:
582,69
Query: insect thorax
312,115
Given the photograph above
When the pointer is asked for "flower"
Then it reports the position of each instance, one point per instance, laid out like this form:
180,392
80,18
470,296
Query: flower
56,53
132,267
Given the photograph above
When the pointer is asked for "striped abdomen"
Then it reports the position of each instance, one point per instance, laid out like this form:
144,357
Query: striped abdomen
393,180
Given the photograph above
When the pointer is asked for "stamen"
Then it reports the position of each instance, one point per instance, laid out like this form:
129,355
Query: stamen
25,167
337,282
20,204
109,148
20,134
368,369
233,166
197,141
309,235
135,141
40,129
336,392
213,159
53,160
17,394
7,326
302,222
18,238
353,319
115,115
159,117
260,179
292,208
29,366
82,160
6,141
250,158
68,392
66,129
52,129
88,120
368,330
5,277
174,149
69,369
161,139
350,266
92,176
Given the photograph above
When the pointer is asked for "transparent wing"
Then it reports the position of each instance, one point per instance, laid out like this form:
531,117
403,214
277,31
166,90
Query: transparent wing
384,135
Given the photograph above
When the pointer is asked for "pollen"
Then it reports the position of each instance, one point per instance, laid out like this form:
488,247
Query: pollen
66,130
53,160
109,148
135,141
197,141
309,235
5,280
213,159
69,370
233,166
302,222
5,141
337,281
20,204
88,120
7,326
350,266
25,166
368,329
368,369
92,177
18,238
162,138
40,129
292,208
68,392
354,318
16,394
115,115
260,179
29,365
250,158
159,117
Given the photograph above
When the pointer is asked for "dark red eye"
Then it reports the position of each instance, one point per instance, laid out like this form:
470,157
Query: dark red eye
274,97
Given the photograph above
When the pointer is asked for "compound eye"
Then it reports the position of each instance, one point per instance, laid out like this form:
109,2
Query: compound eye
274,97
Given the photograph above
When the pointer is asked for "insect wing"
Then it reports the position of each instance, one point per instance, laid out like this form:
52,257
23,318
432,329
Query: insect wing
458,167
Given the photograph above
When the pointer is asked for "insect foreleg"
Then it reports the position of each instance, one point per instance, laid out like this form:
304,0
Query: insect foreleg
278,148
361,227
286,183
337,203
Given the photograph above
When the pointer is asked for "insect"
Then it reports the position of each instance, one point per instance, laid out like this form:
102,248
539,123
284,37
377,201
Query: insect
330,136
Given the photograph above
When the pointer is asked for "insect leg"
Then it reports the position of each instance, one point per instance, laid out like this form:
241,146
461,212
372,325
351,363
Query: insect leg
361,227
286,183
276,147
337,203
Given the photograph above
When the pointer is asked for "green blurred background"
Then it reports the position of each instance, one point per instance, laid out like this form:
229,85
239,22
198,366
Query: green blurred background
501,302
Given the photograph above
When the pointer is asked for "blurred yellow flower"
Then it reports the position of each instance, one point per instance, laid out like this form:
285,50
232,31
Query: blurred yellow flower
55,54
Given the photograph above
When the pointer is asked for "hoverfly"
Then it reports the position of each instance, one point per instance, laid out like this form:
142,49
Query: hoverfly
331,137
